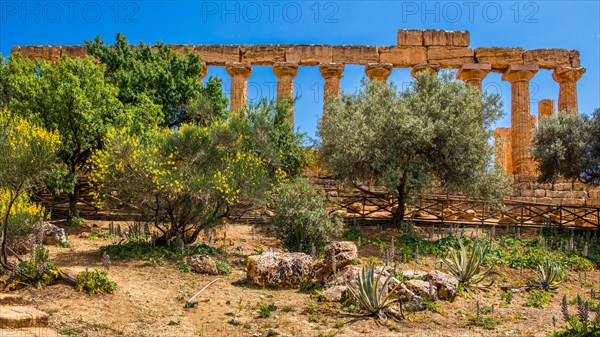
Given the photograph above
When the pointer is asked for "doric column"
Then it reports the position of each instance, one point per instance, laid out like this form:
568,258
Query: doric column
519,75
378,71
567,78
285,73
428,67
503,146
332,73
473,73
545,109
239,72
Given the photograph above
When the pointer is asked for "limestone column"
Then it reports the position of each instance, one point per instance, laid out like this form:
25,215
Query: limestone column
545,109
332,73
239,72
285,73
473,73
378,71
567,78
503,146
428,67
519,75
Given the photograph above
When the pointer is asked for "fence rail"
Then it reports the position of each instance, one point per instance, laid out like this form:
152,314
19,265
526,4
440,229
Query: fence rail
462,210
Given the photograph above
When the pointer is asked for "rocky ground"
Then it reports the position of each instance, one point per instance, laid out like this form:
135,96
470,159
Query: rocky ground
151,298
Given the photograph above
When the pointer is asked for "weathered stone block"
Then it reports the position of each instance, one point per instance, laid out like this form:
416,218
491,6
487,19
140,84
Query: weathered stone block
450,57
594,194
446,38
47,53
263,55
539,193
74,51
499,58
309,55
218,55
403,56
355,54
574,58
409,37
593,202
547,58
447,285
278,269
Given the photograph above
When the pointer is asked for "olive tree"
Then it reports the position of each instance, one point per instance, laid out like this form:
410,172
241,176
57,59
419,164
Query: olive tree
436,130
568,146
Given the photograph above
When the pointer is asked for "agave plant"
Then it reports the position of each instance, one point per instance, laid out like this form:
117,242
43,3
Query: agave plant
372,296
548,275
467,265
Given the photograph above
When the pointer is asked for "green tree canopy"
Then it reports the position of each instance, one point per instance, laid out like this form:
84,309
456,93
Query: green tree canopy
73,97
165,77
436,130
568,146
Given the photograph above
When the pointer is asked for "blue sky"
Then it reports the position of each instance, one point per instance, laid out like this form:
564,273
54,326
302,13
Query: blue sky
526,24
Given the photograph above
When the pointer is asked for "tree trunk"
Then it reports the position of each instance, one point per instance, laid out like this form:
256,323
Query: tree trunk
73,199
398,217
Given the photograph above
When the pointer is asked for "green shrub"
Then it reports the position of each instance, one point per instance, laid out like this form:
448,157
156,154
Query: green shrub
37,273
548,276
353,234
537,299
95,281
301,219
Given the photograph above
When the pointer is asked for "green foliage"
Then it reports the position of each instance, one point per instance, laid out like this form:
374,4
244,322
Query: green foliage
182,181
568,145
507,296
222,267
549,275
581,324
38,273
73,97
372,295
301,219
405,140
93,282
537,299
353,234
265,310
467,265
26,152
163,76
146,251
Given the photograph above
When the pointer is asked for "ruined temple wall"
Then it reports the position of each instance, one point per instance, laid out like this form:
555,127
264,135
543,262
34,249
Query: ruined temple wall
528,189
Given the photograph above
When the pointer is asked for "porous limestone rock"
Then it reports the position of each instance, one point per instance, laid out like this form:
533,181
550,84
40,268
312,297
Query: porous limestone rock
278,269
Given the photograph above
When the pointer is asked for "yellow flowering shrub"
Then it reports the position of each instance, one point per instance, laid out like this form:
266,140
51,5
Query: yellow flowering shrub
183,180
27,152
23,219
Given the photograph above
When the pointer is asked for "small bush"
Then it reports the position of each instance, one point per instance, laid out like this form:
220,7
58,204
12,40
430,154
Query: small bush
537,299
93,282
265,310
38,273
23,220
301,219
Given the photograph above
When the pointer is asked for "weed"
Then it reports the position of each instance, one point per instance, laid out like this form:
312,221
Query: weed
507,296
265,310
537,299
95,281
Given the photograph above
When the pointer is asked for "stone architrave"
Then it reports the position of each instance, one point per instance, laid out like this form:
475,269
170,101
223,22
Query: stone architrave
378,71
428,67
519,75
285,73
545,109
473,73
239,72
567,78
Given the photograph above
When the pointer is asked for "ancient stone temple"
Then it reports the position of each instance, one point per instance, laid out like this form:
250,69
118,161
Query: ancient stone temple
420,50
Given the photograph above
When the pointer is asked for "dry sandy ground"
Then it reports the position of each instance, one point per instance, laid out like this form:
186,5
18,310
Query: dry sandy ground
151,297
